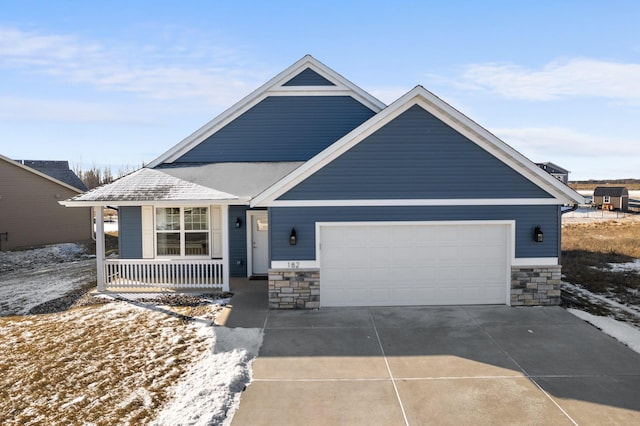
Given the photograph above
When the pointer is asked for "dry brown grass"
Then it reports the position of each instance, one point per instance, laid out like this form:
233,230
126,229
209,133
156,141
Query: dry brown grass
591,186
588,248
95,365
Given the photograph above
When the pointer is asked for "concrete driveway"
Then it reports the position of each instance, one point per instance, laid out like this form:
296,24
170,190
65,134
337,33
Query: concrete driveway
438,365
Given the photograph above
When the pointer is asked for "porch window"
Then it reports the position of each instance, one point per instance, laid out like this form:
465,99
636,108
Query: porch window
182,231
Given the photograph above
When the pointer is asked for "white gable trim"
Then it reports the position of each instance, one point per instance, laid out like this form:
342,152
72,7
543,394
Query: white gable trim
274,87
443,111
39,173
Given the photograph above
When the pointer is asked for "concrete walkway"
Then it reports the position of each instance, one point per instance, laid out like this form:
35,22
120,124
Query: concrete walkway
435,365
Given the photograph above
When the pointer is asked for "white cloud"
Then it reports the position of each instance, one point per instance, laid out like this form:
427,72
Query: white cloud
215,76
574,77
36,109
588,156
540,143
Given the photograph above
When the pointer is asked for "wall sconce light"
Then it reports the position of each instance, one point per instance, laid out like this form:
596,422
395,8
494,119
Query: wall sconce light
293,238
538,235
239,262
238,222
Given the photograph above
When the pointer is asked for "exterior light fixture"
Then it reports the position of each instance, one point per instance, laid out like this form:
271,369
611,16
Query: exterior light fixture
238,222
293,238
538,235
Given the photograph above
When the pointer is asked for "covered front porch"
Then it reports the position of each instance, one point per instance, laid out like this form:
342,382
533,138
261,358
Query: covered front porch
161,273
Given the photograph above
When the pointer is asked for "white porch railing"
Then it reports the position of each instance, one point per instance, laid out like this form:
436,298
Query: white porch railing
160,273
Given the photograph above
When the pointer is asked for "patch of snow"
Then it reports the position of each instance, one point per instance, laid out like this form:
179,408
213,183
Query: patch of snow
589,215
620,331
626,267
572,288
210,390
29,278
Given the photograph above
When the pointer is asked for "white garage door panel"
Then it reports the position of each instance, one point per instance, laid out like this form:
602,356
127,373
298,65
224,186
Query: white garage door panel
377,265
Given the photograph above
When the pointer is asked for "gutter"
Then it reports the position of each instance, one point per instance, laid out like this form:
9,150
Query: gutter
570,209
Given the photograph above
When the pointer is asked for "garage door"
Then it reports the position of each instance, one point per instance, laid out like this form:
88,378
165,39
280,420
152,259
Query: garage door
413,264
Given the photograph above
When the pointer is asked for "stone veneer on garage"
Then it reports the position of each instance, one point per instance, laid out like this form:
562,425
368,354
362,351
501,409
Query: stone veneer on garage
300,289
294,289
535,285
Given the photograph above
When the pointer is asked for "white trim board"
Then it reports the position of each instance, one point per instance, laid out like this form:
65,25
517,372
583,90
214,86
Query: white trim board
450,116
418,202
315,264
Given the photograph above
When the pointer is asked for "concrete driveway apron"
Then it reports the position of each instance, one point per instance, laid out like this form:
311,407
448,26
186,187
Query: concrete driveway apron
439,365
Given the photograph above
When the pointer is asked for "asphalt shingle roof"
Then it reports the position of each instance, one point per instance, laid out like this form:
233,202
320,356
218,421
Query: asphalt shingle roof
612,191
152,185
56,169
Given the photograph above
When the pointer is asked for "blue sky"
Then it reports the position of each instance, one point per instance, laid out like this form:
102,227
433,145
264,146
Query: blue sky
117,83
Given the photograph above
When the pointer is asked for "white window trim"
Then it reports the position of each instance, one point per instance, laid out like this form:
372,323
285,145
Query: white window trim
606,199
182,232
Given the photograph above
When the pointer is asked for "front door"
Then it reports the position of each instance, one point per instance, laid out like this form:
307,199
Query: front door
259,243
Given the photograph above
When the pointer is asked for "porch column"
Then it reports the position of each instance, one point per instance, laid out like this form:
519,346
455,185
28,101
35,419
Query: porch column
224,218
100,247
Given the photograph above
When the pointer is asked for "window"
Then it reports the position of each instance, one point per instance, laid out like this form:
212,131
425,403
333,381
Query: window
606,199
182,231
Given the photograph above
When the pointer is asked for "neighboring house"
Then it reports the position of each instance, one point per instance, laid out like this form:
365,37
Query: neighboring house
556,171
342,201
30,213
611,198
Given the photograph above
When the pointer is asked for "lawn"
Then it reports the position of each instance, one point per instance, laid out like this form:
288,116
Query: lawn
591,251
67,359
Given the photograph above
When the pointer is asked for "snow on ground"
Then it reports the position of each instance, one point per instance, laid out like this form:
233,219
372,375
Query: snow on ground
625,267
588,215
598,299
31,277
125,362
620,331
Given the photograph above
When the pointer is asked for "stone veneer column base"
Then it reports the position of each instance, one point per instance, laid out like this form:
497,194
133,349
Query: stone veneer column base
294,289
535,285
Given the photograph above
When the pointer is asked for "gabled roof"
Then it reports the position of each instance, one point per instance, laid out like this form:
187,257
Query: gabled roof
612,191
449,115
553,168
148,185
56,169
41,174
277,86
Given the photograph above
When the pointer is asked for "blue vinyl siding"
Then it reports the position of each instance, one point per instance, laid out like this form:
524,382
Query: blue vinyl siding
415,156
282,128
303,219
308,77
130,232
237,241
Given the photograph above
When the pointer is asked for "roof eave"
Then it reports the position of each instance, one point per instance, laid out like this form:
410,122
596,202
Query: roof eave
422,97
261,93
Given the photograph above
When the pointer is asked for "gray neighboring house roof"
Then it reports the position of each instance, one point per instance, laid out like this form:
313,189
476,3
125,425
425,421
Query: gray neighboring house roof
150,185
612,191
58,170
552,168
